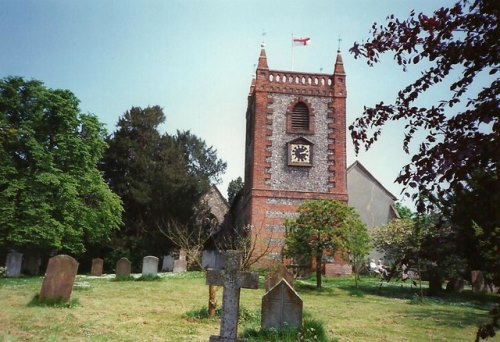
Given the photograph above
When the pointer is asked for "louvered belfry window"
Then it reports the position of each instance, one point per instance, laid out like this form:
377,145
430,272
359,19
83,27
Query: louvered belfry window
300,117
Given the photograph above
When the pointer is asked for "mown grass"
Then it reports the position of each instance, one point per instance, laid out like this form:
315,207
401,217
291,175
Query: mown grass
171,308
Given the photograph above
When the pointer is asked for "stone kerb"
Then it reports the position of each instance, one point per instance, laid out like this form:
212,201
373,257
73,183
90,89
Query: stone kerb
97,265
123,268
59,278
149,266
13,264
281,308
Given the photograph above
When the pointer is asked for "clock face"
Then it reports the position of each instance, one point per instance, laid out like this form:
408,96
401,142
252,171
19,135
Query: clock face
300,154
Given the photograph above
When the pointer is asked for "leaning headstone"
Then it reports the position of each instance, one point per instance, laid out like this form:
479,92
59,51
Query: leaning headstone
233,280
150,266
168,263
96,269
281,308
59,278
280,272
123,268
13,264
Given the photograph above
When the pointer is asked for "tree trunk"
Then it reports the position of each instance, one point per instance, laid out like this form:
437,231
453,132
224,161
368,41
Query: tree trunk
212,301
318,269
435,283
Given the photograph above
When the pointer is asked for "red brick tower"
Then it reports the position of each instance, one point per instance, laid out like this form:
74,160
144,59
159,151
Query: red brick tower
295,147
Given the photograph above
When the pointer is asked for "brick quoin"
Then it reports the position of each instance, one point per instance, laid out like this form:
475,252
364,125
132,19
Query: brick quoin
274,190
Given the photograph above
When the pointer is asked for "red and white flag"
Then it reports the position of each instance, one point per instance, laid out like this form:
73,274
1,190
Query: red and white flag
301,41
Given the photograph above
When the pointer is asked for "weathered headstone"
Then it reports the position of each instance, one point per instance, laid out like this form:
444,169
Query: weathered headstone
96,269
213,259
123,268
13,264
281,307
59,278
150,266
182,254
168,263
233,280
278,273
180,266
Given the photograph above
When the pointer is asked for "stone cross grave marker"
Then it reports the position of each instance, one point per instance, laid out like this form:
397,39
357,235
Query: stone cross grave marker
96,269
59,278
280,272
123,268
150,266
13,264
233,280
281,308
168,263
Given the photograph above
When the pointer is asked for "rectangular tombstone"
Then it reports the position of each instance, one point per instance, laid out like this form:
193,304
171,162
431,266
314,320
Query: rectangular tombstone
59,278
213,259
180,266
281,307
168,263
182,254
13,264
97,265
150,266
123,268
278,273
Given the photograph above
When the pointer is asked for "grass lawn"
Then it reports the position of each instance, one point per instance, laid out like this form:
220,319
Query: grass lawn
157,311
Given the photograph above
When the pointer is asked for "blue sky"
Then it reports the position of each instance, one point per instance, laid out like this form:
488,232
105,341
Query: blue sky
196,58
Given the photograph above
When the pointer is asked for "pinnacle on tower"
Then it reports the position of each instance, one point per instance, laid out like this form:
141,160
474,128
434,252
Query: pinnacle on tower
262,60
339,65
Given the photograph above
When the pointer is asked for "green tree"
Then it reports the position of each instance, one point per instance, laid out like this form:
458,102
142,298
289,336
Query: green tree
425,243
473,212
233,188
403,211
52,196
159,177
355,241
461,131
319,229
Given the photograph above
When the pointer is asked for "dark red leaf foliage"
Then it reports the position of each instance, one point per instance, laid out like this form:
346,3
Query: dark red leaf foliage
464,37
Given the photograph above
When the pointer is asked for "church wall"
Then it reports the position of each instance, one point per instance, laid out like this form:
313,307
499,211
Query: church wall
284,177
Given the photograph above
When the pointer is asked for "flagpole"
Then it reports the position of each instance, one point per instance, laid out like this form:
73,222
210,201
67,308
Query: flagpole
291,69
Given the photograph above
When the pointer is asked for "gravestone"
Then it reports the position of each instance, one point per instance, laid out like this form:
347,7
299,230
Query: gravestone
281,307
96,269
13,264
180,265
150,266
168,263
213,259
233,280
279,272
59,278
123,268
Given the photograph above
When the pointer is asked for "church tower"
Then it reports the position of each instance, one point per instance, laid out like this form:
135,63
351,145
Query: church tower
295,148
